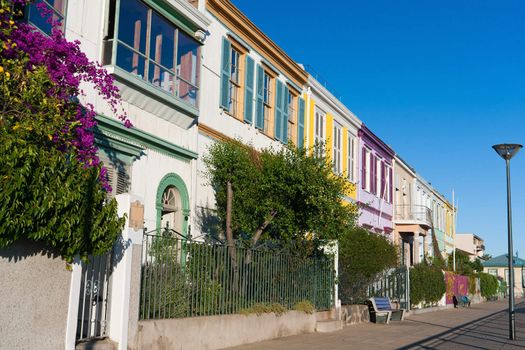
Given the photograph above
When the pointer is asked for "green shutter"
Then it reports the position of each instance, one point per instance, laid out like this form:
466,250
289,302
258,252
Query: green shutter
285,114
259,107
225,74
248,90
300,124
278,110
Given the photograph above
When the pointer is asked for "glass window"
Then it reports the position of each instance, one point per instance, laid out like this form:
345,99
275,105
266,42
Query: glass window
319,128
57,9
234,82
367,169
267,93
291,116
154,49
351,158
336,149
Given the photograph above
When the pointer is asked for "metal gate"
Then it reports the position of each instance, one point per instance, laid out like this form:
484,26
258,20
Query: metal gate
94,291
395,284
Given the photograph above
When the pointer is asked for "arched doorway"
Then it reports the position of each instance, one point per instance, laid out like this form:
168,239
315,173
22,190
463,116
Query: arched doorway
173,205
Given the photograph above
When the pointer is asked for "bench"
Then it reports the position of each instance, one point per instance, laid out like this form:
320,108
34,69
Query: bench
381,311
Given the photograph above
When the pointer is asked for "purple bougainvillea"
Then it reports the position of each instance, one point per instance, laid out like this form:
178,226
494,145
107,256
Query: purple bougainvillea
68,67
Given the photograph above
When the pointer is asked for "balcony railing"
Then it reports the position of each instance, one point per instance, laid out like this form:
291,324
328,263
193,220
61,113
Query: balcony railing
413,214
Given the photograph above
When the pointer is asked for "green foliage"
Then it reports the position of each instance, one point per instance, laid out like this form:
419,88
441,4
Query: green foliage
488,285
47,195
260,309
437,260
464,266
362,256
286,193
472,283
427,284
305,306
503,287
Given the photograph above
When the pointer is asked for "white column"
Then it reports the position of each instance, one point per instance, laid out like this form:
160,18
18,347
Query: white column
74,300
121,275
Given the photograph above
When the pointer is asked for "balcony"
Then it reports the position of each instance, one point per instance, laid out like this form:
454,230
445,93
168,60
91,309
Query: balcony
413,215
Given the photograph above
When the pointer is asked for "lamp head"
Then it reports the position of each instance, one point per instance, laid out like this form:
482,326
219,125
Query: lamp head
507,150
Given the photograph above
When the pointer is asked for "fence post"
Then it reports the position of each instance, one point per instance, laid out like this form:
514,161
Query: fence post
125,285
408,287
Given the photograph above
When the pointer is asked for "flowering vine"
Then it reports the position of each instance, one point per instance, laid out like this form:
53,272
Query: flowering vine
68,67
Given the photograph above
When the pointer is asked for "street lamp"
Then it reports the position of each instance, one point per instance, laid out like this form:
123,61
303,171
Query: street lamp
507,151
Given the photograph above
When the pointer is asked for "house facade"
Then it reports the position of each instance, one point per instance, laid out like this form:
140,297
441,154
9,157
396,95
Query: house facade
412,222
375,189
254,93
331,123
471,244
499,267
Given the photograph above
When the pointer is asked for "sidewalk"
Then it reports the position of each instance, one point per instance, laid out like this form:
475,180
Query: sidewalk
482,326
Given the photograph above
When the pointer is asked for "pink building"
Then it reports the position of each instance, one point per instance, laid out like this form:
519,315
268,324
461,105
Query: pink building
375,187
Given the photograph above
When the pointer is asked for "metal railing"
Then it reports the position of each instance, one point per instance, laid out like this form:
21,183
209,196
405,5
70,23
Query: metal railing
394,284
413,213
183,278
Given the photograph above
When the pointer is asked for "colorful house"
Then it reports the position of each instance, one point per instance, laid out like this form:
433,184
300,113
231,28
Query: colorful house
332,123
375,195
499,267
254,93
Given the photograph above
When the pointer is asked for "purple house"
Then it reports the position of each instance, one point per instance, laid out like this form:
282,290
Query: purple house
374,194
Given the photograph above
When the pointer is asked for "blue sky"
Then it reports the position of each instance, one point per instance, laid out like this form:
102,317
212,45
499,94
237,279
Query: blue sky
439,81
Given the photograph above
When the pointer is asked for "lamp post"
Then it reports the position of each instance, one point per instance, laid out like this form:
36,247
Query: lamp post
507,151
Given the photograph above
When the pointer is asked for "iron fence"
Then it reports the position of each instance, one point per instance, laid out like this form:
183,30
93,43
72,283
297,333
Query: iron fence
395,284
183,278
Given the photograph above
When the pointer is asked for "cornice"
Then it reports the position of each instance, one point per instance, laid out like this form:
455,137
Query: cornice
236,21
214,134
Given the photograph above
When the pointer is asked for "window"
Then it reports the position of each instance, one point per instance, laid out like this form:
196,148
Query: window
291,116
351,158
233,106
366,169
118,174
493,272
336,149
379,177
153,49
319,128
57,8
267,98
387,195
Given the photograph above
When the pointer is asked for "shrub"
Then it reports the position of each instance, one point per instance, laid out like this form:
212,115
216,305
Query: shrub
488,285
362,256
305,306
260,309
427,284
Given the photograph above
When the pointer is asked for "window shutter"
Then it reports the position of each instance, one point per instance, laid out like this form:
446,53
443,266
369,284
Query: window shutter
372,174
278,110
225,74
390,186
383,180
259,107
363,170
300,123
248,90
285,114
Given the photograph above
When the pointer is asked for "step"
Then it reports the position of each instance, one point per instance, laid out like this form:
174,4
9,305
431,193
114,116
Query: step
328,326
97,344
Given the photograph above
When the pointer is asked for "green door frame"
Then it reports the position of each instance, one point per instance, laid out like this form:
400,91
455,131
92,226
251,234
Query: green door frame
176,181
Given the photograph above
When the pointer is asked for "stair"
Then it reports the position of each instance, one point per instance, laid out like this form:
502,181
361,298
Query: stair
328,326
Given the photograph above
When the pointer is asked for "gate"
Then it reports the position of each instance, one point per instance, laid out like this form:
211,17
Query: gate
94,291
393,284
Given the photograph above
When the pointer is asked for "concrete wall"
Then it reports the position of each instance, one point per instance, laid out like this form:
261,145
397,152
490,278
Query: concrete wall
217,332
34,290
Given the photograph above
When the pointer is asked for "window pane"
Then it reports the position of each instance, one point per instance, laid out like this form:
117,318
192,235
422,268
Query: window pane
188,59
44,22
133,24
130,61
187,92
162,41
162,78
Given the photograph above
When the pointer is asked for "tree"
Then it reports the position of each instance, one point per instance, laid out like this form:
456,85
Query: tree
287,195
52,183
363,255
463,264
